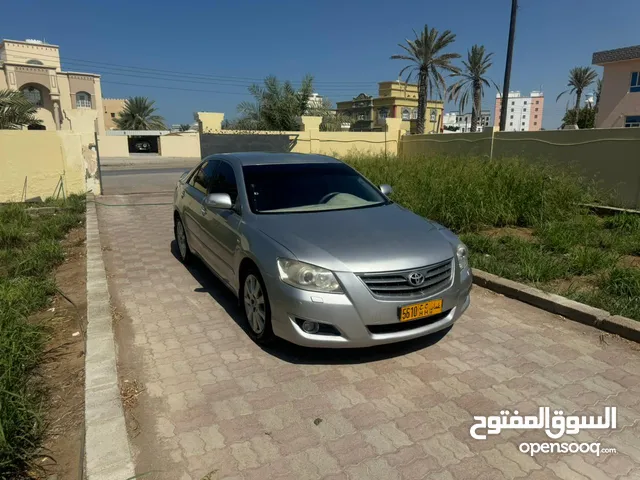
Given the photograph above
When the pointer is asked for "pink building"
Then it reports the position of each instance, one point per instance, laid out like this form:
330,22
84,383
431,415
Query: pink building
619,104
524,114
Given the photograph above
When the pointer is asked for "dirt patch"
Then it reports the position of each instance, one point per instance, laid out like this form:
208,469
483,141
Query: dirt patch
562,286
62,369
629,261
524,233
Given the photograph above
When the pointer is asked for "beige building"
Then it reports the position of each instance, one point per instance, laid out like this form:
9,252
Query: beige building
395,100
619,104
65,100
112,107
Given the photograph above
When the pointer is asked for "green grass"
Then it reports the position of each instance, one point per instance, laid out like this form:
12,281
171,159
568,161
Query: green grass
473,195
466,194
29,250
618,292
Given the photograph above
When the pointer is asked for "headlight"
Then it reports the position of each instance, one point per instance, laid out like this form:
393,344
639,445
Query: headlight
461,250
307,277
463,256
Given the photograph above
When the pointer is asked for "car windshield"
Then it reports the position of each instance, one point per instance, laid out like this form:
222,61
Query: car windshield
310,187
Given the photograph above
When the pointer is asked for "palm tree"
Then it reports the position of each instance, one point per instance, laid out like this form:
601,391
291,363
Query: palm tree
598,91
184,127
472,82
139,114
16,111
427,62
277,105
579,79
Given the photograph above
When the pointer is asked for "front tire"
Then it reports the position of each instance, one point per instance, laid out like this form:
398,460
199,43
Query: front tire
181,239
256,307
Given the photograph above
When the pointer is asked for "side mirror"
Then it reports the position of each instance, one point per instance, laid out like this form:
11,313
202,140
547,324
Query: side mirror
386,189
218,200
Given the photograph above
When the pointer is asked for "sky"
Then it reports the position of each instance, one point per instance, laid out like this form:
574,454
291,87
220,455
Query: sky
224,46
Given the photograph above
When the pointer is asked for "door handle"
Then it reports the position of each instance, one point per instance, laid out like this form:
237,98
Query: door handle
203,210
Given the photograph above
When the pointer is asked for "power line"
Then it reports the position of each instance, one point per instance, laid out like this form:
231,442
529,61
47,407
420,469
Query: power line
335,94
116,66
166,87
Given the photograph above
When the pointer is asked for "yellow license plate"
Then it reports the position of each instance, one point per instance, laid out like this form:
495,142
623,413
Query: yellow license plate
420,310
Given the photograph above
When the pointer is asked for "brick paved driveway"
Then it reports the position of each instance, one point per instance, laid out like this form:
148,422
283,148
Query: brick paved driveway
216,404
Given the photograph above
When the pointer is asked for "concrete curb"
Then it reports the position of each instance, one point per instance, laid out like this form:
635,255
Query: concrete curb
579,312
107,451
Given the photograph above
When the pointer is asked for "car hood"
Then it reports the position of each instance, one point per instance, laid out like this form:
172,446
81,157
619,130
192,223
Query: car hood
375,239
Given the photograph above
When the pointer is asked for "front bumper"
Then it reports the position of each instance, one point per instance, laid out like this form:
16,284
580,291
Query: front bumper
352,313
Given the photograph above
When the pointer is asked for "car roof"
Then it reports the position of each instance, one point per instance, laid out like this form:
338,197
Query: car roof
269,158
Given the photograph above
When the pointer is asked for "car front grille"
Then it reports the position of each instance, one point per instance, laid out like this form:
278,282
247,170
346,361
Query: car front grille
398,285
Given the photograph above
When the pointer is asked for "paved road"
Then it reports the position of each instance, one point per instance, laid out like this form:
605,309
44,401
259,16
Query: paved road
128,175
214,403
140,180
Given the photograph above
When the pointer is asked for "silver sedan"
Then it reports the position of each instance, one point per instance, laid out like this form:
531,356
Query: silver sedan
316,253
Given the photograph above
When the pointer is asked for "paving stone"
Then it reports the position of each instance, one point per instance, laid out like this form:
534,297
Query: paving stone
215,401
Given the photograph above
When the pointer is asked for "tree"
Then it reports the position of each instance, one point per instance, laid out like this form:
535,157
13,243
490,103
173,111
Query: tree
598,91
277,105
16,111
579,79
586,117
427,63
184,127
139,114
472,82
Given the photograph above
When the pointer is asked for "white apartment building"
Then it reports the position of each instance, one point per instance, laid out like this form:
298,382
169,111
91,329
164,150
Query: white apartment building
315,101
463,120
524,114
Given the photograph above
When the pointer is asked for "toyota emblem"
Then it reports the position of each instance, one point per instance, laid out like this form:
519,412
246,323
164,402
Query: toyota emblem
416,279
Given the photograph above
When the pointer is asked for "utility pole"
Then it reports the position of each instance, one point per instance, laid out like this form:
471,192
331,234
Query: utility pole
507,67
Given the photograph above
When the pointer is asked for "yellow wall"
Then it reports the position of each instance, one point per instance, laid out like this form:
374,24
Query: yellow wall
182,145
606,155
40,158
113,146
210,122
81,120
310,140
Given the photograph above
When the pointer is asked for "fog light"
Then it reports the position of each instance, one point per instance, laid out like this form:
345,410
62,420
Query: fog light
310,327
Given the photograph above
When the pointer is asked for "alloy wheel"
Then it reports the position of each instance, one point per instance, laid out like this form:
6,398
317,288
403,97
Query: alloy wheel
254,304
181,238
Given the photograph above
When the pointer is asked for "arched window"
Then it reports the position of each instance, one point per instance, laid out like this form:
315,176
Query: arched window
34,62
33,95
414,113
434,115
83,100
406,114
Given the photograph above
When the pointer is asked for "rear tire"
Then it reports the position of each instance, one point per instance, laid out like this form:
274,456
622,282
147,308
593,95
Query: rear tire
256,307
181,240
